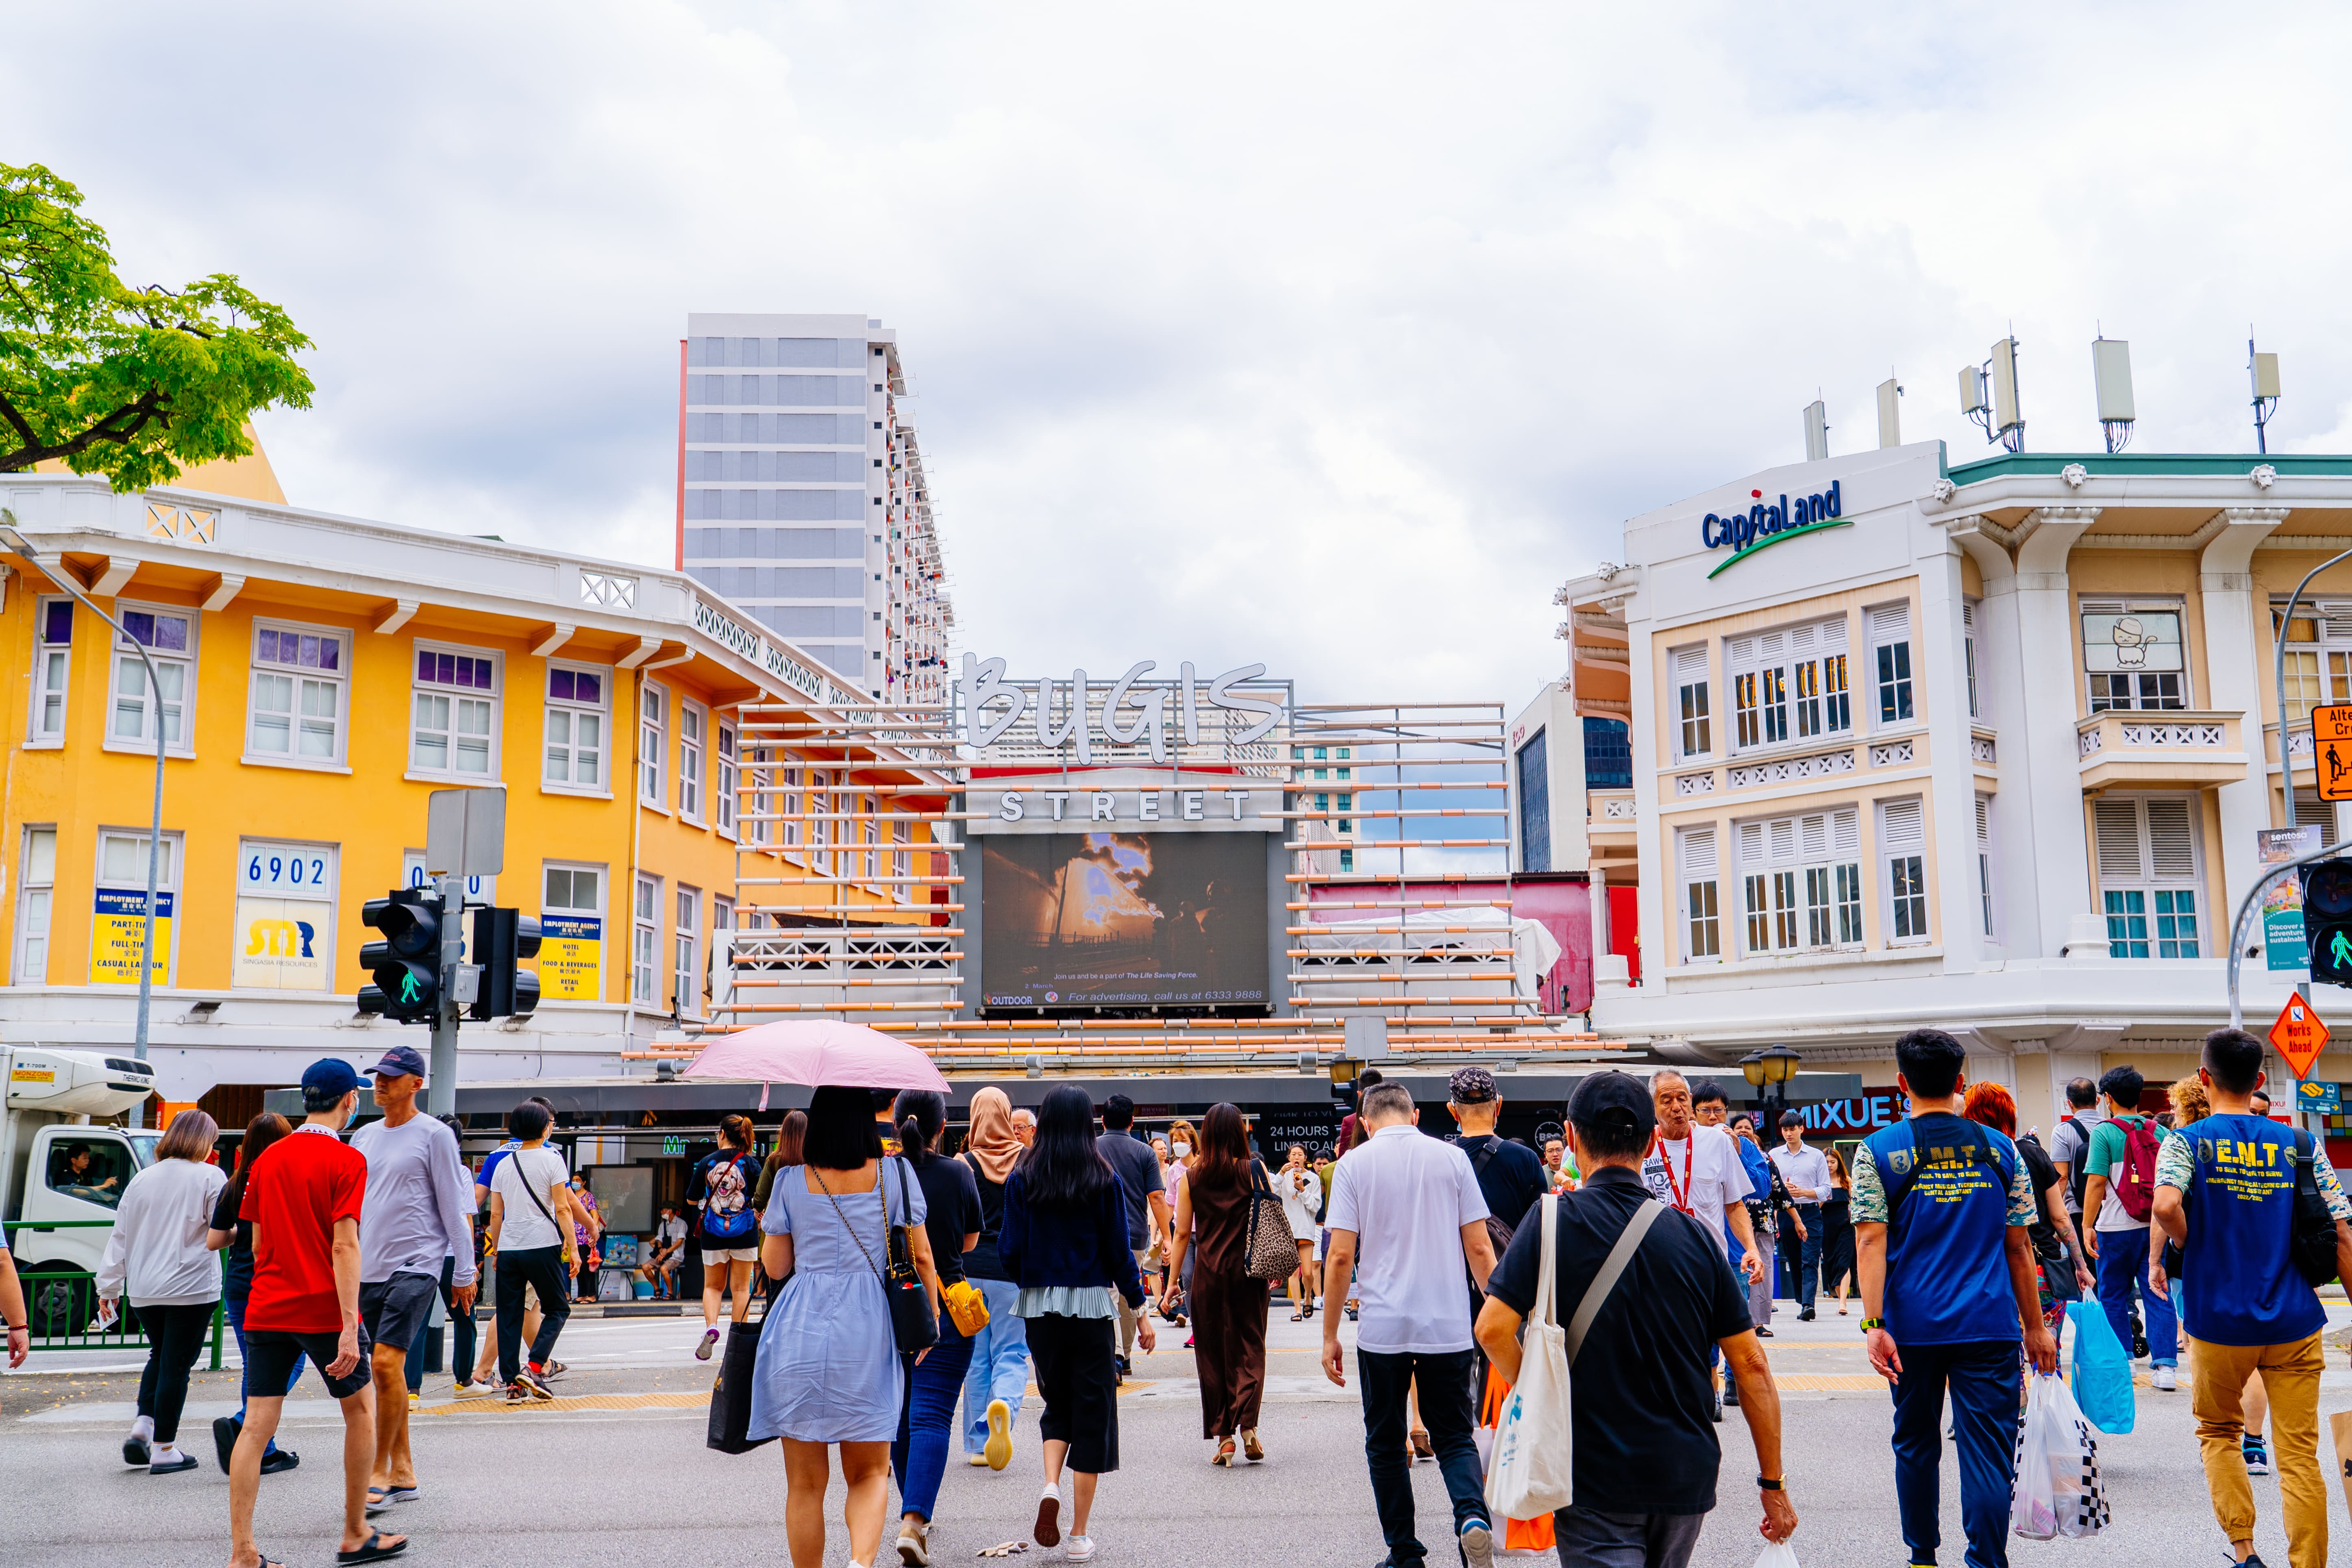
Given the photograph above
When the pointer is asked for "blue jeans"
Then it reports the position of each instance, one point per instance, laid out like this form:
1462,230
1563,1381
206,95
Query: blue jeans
2122,1265
919,1456
1000,1362
1985,1381
1803,1259
1447,1413
235,1307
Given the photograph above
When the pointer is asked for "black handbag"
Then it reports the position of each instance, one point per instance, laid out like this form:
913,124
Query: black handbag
730,1392
913,1325
2314,1244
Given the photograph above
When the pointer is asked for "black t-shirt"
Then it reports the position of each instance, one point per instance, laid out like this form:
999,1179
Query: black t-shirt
950,1211
982,1262
236,1259
1510,1179
1641,1398
2041,1171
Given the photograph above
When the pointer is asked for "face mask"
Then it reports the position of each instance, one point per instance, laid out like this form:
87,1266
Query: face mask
1183,1151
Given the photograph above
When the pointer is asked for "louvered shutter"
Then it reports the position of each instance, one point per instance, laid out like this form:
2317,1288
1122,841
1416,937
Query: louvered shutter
1845,831
2117,823
1698,853
1901,826
2171,841
1813,834
1752,846
1890,623
1690,664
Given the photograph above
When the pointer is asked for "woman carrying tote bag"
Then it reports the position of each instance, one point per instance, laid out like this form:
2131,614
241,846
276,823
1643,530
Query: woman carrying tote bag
1227,1298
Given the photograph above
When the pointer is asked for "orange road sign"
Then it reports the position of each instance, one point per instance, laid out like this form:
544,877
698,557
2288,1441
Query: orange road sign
2331,749
2300,1036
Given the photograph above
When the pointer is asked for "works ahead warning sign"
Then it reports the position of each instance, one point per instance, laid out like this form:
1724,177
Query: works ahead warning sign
2331,749
2299,1035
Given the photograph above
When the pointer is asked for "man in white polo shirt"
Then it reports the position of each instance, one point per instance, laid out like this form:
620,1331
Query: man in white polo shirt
1406,1216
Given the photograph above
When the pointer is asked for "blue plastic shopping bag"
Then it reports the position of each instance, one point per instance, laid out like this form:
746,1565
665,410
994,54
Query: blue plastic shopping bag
2102,1372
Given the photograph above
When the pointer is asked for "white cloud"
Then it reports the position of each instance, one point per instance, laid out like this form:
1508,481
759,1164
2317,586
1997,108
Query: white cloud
1333,336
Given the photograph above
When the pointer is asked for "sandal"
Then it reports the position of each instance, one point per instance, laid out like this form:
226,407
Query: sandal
1224,1454
1297,1317
372,1550
1252,1450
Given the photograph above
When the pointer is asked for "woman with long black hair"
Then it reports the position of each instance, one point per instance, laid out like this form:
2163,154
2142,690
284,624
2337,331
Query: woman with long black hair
234,1236
1228,1307
951,1200
829,1368
1064,1243
721,1192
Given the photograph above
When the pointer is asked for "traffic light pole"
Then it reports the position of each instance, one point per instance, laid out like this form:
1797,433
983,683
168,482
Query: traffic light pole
441,1086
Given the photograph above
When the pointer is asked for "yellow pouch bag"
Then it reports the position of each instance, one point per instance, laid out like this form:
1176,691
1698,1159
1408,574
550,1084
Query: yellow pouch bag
966,1308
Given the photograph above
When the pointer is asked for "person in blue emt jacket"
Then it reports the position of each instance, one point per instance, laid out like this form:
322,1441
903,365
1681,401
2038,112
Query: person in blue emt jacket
1941,1207
2225,1190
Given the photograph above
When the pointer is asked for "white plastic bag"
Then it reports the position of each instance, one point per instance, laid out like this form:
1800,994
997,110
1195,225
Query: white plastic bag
1530,1472
1778,1554
2058,1487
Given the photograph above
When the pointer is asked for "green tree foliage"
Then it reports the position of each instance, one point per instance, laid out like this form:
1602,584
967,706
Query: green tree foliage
132,382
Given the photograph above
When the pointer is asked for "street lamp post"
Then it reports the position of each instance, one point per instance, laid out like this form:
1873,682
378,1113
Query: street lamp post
1773,1067
63,579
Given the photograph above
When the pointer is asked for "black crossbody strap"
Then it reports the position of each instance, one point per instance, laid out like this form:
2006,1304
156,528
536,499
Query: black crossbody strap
538,1202
1629,1241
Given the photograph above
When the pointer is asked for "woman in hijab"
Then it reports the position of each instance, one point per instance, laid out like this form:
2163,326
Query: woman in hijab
1000,1353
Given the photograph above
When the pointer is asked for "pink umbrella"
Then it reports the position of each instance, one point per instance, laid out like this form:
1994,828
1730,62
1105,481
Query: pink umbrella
817,1053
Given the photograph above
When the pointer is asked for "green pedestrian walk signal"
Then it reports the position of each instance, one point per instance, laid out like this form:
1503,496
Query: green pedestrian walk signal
406,964
2327,919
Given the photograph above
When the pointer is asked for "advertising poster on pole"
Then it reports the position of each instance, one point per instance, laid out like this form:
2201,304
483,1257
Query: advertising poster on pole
2283,947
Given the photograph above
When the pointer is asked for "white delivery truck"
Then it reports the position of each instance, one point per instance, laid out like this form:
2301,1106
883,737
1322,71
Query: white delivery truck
54,1164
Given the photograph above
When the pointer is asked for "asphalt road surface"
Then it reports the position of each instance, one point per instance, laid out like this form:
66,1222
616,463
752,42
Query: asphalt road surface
615,1472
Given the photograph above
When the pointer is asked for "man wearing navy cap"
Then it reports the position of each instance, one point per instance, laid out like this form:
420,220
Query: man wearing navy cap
1643,1444
420,1205
303,1198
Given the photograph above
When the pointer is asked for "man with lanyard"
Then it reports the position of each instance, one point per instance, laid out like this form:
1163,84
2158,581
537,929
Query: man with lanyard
1941,1207
2225,1191
1696,1171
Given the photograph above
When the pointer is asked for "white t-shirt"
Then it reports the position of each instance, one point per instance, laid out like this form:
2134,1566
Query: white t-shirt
525,1225
1407,1197
672,1231
1701,1174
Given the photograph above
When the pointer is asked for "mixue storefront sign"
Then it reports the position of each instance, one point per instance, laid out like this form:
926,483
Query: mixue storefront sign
1856,1115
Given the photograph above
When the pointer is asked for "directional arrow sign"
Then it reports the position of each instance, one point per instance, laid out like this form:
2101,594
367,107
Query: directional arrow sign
2299,1035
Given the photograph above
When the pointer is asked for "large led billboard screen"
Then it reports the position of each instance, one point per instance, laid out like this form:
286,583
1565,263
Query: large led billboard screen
1123,920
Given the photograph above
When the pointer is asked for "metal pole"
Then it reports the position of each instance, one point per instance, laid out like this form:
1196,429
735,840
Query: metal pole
441,1088
63,579
2278,651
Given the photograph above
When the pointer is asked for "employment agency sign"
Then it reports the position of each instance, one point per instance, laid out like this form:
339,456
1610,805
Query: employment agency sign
1766,523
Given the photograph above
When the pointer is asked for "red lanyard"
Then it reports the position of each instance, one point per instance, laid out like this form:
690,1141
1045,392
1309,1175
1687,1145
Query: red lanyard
1678,1194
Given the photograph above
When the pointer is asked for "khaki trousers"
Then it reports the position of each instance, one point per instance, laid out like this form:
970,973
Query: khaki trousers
1127,1314
2291,1374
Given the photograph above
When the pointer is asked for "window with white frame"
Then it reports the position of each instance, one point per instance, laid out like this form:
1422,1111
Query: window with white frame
1789,685
37,884
53,620
789,806
1701,910
1801,877
870,833
576,720
645,946
2317,658
454,729
300,683
1694,725
2150,885
902,857
1890,663
2133,654
1985,862
1969,649
170,639
1903,847
726,783
686,949
122,902
653,745
821,812
693,724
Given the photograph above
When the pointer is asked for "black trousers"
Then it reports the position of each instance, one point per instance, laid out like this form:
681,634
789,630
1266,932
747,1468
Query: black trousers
175,1335
1447,1411
1076,1360
540,1268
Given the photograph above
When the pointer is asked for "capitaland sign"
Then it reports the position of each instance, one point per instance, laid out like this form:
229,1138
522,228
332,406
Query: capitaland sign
1766,523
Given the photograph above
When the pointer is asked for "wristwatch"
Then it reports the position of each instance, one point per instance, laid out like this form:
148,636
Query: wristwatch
1869,1323
1769,1484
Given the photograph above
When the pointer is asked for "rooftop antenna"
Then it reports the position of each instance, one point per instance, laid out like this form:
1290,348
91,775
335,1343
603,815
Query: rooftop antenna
1817,431
1988,396
1890,413
2111,374
2264,369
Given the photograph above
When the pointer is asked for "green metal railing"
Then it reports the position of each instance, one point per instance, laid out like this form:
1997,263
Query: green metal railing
61,1304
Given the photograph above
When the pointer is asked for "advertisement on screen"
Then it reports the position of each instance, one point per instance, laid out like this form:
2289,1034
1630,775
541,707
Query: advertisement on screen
1124,919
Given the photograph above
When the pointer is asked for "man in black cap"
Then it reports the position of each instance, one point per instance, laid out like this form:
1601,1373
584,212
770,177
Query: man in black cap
1642,1405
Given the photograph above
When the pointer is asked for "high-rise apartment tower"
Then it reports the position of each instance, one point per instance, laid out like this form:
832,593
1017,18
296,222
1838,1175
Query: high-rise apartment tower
802,496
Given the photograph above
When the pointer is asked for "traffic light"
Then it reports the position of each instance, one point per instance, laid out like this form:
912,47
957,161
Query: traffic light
406,964
2327,919
501,938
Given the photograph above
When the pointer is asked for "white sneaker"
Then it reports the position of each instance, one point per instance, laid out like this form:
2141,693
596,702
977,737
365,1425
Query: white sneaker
914,1549
2165,1381
1081,1548
1479,1544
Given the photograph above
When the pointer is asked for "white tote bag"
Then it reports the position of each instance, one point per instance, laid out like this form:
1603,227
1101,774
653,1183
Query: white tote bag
1531,1471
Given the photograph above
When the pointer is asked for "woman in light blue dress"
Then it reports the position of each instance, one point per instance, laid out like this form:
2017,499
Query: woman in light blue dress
829,1370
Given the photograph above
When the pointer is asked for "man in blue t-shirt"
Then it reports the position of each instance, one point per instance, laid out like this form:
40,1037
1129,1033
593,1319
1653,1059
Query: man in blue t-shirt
1941,1207
2225,1192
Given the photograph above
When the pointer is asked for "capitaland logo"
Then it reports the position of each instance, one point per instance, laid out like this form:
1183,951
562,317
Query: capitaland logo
1768,523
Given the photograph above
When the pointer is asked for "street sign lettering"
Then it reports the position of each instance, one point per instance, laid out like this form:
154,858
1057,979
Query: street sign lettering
2331,749
2299,1035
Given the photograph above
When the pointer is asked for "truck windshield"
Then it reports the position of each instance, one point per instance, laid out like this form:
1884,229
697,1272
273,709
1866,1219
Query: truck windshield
142,1146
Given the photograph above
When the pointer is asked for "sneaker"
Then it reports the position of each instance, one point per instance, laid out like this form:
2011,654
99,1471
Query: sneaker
479,1388
2164,1380
709,1338
1047,1530
2258,1458
979,1461
998,1451
1731,1393
1080,1550
534,1384
1806,1316
224,1433
914,1545
1479,1544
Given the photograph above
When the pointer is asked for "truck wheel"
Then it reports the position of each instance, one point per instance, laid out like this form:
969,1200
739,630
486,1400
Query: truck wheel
60,1307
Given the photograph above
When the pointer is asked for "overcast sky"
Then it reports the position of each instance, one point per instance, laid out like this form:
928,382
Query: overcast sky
1329,336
